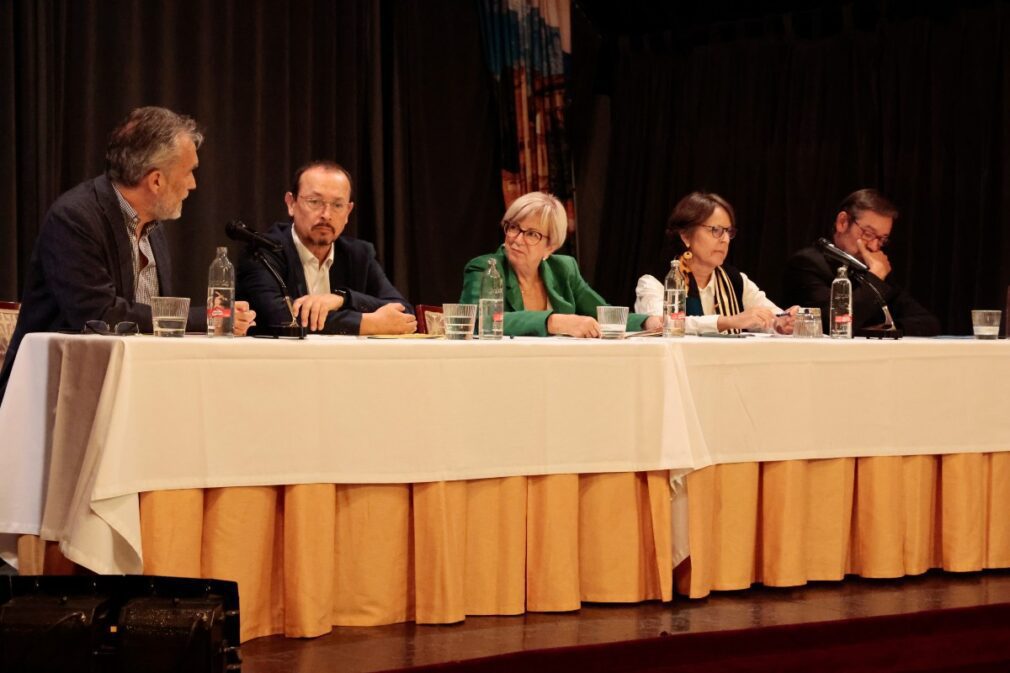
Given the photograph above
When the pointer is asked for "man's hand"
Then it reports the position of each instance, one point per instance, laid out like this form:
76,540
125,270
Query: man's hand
877,260
388,319
312,309
573,325
245,318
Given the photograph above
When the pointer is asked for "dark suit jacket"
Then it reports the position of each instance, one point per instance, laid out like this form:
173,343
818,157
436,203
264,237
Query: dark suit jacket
354,269
807,282
82,269
566,288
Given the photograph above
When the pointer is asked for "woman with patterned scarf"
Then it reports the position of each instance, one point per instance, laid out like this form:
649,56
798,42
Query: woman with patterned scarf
719,298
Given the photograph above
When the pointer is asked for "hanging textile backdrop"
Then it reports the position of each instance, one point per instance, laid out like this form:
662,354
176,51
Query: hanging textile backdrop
528,45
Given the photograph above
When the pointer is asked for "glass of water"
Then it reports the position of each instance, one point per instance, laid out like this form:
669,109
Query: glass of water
807,323
613,321
459,320
985,324
169,315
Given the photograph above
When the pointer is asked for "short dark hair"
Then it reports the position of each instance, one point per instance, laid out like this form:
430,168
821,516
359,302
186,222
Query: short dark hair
867,199
319,163
691,211
144,141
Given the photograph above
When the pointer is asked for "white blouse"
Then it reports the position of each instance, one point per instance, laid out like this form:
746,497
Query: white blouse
649,300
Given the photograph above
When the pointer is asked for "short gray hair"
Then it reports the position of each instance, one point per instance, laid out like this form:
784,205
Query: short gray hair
144,141
552,214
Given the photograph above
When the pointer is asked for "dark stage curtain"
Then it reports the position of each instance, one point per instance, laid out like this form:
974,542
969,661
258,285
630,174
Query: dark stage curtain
787,114
398,92
782,114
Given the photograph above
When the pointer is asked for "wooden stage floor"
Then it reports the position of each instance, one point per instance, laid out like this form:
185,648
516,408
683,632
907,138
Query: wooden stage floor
352,650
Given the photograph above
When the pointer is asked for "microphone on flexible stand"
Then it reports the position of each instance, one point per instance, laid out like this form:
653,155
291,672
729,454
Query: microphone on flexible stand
884,331
238,231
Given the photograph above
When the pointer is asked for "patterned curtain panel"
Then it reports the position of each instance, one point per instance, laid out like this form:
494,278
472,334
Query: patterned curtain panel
528,44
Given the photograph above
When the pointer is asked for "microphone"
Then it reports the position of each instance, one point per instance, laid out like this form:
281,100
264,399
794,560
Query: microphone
840,255
237,231
888,329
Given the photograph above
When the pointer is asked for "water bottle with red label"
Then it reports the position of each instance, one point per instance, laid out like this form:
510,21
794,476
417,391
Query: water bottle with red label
840,319
221,296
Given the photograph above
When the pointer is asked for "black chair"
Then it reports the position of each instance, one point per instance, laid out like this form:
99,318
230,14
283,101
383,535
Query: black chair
8,319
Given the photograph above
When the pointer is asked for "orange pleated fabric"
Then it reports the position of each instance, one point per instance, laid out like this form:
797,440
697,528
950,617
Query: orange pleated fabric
787,523
309,557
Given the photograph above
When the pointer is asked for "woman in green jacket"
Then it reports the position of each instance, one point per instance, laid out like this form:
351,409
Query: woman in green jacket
544,293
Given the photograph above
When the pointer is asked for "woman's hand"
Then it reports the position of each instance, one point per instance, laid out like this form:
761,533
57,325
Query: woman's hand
573,325
784,323
754,318
653,323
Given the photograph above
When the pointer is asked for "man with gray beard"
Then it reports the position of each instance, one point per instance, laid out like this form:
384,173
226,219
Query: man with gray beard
101,253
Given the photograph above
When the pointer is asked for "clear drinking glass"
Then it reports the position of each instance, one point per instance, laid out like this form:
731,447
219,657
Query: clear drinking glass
169,315
985,324
613,321
807,323
459,320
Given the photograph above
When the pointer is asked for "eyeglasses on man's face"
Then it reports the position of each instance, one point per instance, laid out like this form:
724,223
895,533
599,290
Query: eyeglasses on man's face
530,236
125,328
870,236
718,232
315,204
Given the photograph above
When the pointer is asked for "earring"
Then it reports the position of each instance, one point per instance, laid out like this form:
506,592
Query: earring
688,254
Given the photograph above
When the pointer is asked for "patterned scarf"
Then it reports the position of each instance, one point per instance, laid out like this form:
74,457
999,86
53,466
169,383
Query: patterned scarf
726,303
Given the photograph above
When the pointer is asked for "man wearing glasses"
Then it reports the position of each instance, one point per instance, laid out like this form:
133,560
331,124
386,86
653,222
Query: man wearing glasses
862,228
338,285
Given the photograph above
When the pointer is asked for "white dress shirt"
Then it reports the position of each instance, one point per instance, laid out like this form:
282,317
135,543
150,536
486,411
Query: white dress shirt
317,274
649,294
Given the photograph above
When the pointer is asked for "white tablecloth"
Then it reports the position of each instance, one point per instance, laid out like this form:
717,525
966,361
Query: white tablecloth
785,399
89,422
140,414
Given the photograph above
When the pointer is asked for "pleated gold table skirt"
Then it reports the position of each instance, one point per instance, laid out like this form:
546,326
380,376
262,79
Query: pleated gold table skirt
311,557
787,523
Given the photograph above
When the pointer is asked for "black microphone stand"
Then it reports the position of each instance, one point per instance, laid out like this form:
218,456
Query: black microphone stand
291,330
887,330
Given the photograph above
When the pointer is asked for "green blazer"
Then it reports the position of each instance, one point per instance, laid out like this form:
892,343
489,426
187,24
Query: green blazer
567,290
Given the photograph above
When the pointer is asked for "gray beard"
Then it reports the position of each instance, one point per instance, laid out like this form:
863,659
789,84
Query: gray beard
162,213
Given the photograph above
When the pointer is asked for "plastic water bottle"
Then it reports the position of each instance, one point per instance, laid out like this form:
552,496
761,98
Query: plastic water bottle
841,305
221,296
492,303
674,302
